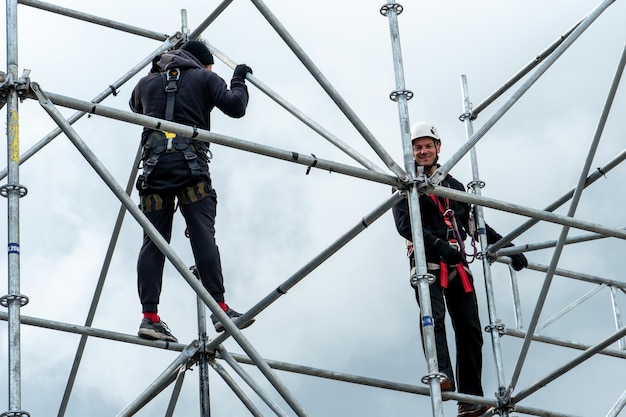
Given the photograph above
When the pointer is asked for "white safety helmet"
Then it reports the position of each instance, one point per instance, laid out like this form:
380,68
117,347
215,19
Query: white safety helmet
424,129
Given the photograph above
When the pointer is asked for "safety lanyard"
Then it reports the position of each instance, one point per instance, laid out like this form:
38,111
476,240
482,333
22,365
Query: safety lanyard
450,222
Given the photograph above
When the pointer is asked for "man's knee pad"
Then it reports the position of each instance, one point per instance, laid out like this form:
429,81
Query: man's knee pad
154,202
194,193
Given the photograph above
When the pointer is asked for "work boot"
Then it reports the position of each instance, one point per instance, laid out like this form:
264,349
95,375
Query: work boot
474,410
155,331
447,386
234,316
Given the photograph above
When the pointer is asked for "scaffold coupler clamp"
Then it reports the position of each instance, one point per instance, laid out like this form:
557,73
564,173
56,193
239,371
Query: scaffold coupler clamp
22,86
496,326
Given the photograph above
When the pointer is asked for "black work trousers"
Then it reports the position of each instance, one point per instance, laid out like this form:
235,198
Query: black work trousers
199,214
463,309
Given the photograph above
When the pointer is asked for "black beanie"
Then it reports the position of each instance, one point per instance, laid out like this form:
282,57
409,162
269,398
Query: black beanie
199,50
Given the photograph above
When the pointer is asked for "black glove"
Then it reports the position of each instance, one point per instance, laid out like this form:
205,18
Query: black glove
241,70
450,255
519,261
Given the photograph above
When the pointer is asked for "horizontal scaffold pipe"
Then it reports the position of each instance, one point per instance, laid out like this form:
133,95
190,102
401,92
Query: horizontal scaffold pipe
579,276
94,19
529,247
211,137
99,333
527,211
390,385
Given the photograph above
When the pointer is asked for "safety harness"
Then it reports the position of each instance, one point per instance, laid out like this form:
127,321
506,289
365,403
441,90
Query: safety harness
160,142
453,236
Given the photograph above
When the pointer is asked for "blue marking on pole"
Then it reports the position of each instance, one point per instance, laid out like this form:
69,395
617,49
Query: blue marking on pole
14,248
428,321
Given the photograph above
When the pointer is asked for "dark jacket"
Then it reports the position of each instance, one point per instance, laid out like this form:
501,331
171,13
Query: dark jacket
199,91
432,220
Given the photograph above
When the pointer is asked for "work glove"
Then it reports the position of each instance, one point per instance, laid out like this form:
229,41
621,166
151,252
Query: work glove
241,70
448,254
519,261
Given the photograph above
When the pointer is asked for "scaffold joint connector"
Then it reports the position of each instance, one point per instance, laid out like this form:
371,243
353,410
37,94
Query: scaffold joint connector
416,279
6,189
16,413
439,376
6,299
395,95
497,326
393,6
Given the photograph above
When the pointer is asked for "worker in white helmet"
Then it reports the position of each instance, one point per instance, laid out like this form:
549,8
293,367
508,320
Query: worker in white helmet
445,225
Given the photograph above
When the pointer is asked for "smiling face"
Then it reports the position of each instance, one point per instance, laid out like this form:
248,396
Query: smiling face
425,151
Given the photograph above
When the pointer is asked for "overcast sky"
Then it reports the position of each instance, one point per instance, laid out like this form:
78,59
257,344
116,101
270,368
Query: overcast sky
356,313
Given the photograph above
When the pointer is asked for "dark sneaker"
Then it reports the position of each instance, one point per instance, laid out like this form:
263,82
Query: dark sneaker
234,316
474,410
155,331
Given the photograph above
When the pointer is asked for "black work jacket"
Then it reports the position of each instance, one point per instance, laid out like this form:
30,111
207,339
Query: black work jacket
199,92
433,226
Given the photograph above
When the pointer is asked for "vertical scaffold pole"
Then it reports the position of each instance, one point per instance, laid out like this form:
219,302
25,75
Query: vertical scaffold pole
203,361
13,191
421,280
495,326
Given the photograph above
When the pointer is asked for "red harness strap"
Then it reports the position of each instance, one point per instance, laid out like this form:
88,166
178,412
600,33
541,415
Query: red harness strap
443,272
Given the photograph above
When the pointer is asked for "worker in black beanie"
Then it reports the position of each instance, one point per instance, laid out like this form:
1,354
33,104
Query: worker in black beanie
199,50
182,88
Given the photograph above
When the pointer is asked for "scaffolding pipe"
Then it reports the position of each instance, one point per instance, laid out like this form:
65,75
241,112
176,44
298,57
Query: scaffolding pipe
473,113
162,244
223,353
442,171
517,303
347,149
619,405
570,365
195,34
617,316
99,287
180,378
236,389
579,276
529,247
580,186
314,263
330,90
204,357
494,322
211,137
112,89
13,191
392,386
614,353
94,19
570,307
596,174
161,382
527,211
99,333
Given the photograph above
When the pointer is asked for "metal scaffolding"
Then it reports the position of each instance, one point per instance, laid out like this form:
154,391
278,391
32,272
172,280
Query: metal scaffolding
260,387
